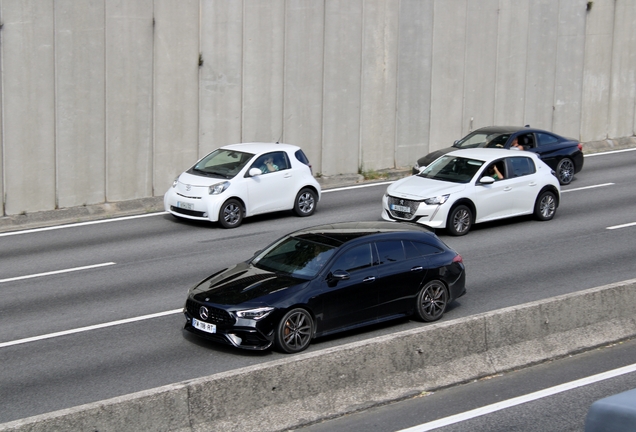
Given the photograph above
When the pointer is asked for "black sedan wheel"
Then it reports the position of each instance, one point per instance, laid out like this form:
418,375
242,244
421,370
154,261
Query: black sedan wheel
231,214
545,206
432,301
565,171
294,331
305,203
459,221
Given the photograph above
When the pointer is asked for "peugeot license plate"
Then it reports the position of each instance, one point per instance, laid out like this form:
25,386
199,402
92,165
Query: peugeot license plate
203,326
403,209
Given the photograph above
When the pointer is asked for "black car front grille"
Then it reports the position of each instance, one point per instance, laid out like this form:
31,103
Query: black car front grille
215,315
187,212
412,205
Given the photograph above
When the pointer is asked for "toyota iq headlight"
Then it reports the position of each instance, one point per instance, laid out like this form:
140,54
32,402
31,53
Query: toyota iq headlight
218,188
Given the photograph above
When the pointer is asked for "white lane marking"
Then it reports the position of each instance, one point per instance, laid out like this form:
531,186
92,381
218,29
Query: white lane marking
89,328
79,224
621,226
357,186
56,272
588,187
609,152
520,400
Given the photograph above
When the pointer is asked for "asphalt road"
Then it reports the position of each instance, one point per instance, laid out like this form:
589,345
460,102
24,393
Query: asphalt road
92,311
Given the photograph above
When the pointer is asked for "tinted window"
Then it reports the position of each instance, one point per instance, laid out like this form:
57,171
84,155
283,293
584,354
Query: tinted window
520,166
390,251
294,256
426,249
546,139
300,155
354,259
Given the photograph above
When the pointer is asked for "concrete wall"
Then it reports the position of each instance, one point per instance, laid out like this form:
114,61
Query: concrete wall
108,100
287,393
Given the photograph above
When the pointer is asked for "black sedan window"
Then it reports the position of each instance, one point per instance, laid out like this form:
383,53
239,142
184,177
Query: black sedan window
390,251
422,249
295,257
545,139
356,258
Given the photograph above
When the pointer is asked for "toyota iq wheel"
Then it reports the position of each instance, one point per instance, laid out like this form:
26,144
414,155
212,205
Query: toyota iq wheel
294,332
305,203
231,214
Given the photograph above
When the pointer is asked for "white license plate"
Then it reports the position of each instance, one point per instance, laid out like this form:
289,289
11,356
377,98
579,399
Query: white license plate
186,206
203,326
403,209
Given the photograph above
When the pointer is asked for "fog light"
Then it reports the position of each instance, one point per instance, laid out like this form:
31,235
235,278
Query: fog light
205,215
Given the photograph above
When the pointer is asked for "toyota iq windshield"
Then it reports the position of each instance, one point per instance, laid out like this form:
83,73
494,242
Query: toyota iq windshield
452,169
221,163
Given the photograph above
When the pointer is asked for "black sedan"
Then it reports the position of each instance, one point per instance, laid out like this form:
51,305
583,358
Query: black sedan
324,280
563,155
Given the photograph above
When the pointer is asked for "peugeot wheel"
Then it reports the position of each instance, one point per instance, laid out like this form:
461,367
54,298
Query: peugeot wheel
460,220
565,171
294,331
231,214
305,203
432,301
545,206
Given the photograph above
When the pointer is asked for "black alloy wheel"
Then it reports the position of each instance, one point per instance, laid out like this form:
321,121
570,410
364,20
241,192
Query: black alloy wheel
460,220
231,214
294,331
305,203
545,206
432,301
565,171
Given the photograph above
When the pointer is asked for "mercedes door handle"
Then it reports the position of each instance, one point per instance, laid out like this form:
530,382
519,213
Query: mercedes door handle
418,268
369,279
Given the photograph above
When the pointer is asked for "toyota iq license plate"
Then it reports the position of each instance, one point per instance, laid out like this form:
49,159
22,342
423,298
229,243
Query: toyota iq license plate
186,206
203,326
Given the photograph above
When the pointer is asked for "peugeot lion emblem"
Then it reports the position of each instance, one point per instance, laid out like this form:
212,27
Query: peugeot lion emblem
401,202
203,312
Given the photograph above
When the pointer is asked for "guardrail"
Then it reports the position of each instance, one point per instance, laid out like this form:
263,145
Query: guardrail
304,388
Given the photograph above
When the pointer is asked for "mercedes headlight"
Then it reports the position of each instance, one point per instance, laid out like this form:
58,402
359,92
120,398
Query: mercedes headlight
254,314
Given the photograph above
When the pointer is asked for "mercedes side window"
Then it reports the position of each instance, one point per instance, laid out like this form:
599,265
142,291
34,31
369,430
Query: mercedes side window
424,249
390,251
356,258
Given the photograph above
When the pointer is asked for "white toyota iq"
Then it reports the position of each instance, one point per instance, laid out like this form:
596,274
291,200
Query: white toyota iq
242,180
465,187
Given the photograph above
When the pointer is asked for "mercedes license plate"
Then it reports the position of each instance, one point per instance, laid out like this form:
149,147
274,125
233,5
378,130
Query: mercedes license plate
203,326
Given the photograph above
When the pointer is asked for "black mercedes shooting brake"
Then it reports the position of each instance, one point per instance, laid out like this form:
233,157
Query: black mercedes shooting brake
327,279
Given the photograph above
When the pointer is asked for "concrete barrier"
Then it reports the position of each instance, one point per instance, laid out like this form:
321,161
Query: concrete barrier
304,388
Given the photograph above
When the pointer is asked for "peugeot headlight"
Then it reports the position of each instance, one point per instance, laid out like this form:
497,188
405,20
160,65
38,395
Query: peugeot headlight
254,314
438,200
218,188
